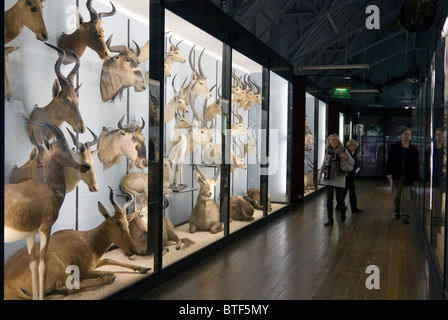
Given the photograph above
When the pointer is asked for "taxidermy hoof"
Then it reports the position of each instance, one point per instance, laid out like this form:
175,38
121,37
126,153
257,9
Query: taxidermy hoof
145,270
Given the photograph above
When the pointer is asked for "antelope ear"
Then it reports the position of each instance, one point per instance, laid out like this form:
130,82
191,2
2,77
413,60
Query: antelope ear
103,210
131,216
34,153
94,152
56,88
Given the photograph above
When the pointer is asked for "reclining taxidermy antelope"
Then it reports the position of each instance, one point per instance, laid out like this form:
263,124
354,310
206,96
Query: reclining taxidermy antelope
136,183
32,207
205,215
90,34
83,249
120,72
139,231
8,91
127,140
63,106
240,209
173,55
25,13
253,196
72,176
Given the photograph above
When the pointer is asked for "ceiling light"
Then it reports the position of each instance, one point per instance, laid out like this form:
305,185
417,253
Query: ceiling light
334,67
365,90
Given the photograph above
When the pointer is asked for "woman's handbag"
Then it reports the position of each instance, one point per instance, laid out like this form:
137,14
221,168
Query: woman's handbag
344,165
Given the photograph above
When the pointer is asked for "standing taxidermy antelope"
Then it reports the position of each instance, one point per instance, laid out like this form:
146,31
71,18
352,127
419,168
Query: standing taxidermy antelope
90,34
178,148
8,91
205,215
120,72
63,106
173,55
83,249
72,176
237,128
127,140
176,104
25,13
32,207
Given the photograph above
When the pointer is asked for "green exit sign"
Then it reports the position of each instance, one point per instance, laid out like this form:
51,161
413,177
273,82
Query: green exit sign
340,92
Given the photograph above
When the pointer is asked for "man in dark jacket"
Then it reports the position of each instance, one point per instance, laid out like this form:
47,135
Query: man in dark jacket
402,169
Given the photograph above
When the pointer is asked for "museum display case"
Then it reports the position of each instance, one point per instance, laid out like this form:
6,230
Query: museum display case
157,136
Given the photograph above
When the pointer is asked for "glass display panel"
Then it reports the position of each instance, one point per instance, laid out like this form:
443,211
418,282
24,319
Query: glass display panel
97,96
310,166
278,138
246,137
193,122
437,166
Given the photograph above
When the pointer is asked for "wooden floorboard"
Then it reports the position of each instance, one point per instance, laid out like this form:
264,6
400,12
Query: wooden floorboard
297,257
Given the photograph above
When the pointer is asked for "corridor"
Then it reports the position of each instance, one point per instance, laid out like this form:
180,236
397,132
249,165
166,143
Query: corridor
297,257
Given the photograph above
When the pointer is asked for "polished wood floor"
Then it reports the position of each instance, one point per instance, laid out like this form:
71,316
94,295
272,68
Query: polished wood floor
297,257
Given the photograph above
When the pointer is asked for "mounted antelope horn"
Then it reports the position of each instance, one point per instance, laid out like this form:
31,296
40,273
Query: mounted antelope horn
200,172
256,85
138,49
191,62
177,44
34,141
120,123
128,203
55,130
109,40
117,208
218,171
239,117
57,66
75,69
94,15
199,64
101,15
81,147
143,124
95,139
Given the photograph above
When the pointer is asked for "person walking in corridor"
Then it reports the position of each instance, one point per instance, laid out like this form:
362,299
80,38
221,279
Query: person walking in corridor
334,177
402,170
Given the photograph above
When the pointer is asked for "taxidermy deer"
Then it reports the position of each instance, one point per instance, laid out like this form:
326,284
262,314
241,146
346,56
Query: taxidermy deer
83,249
72,176
8,91
205,215
173,55
65,103
25,13
90,34
32,207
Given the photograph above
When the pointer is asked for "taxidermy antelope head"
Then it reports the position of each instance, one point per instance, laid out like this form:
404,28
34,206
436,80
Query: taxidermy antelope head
120,72
90,34
173,55
64,105
25,13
